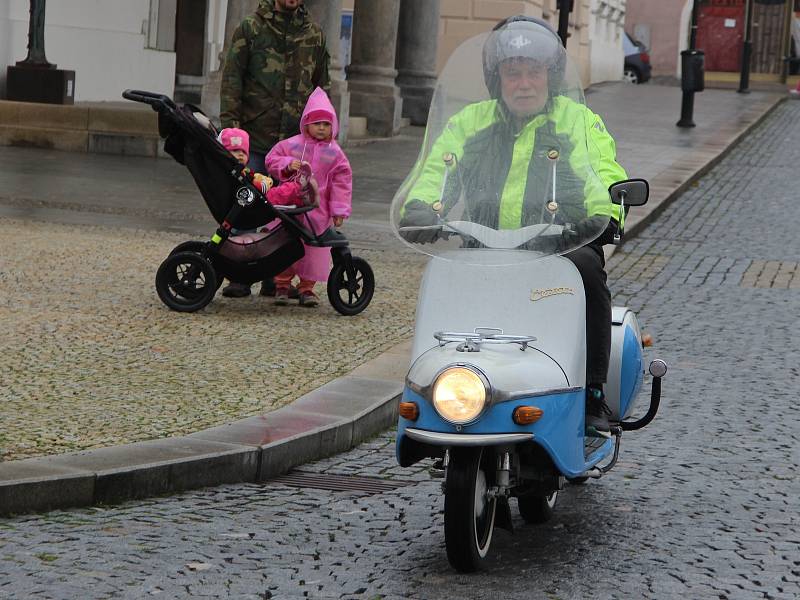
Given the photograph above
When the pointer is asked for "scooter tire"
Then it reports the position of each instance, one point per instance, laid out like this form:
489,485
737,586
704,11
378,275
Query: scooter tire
469,517
537,509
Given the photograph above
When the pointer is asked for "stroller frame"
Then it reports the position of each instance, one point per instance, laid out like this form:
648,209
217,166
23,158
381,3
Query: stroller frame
189,277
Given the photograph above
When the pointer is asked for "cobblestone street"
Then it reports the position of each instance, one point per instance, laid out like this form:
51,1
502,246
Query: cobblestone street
703,503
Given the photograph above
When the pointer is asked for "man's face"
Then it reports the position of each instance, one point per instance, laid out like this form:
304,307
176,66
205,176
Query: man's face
287,5
523,86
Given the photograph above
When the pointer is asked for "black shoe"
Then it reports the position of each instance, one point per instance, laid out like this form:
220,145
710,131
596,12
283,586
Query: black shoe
236,290
597,413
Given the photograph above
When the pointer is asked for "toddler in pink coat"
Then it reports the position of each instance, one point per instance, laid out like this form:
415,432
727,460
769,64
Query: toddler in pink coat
237,142
296,192
315,145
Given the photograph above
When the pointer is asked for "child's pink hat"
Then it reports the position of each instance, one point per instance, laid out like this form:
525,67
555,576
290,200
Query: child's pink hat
235,139
318,116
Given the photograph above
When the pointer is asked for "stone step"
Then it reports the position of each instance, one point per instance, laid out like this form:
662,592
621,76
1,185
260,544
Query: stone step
103,127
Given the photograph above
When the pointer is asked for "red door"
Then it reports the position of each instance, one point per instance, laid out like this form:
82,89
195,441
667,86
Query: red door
720,33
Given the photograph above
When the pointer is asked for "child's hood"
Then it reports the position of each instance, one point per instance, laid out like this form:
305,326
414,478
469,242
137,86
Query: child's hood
319,105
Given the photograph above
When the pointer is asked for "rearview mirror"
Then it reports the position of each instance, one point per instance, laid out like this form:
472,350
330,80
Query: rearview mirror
631,192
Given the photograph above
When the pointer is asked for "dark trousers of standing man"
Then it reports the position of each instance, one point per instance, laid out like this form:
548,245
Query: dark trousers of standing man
591,263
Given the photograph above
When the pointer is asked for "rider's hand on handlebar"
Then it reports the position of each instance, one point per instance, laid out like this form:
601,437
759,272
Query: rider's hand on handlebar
420,214
588,229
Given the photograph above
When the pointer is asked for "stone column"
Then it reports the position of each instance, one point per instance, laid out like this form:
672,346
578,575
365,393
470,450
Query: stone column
417,44
371,74
328,14
236,11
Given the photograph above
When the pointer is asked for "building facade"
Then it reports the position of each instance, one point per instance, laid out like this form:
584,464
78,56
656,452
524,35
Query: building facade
383,69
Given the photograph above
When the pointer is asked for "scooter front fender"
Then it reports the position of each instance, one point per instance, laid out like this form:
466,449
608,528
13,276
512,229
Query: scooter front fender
560,431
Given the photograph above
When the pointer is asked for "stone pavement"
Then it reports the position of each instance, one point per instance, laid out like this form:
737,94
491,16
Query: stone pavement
103,365
702,504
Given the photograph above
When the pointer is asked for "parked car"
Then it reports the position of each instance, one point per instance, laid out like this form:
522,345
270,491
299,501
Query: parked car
637,60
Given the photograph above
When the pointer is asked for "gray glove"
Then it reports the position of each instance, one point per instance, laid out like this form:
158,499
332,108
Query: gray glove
588,227
420,214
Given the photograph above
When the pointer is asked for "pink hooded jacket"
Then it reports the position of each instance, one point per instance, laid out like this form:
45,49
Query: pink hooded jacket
330,168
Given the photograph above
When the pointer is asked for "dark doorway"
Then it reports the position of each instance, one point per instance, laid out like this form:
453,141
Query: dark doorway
190,35
190,25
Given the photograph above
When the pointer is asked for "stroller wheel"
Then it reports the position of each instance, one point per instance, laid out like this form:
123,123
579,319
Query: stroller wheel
186,282
350,293
191,246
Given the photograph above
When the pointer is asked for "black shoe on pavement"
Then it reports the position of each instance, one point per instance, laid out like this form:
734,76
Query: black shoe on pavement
597,413
236,290
267,288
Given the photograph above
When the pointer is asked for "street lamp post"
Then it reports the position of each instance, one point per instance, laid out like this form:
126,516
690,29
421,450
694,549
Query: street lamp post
564,8
36,56
35,79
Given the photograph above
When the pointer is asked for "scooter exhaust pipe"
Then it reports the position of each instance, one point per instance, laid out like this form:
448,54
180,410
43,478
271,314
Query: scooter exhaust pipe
658,368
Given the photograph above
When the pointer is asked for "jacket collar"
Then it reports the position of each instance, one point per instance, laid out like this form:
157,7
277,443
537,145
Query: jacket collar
266,9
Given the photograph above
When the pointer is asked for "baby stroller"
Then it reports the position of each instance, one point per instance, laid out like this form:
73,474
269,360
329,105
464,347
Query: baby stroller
189,277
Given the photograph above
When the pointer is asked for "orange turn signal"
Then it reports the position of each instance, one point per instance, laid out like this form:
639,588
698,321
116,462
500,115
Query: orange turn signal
409,410
647,340
525,415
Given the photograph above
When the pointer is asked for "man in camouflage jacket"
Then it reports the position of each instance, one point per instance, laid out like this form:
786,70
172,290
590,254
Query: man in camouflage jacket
276,59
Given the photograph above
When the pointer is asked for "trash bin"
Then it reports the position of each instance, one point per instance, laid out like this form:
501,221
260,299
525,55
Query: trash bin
693,70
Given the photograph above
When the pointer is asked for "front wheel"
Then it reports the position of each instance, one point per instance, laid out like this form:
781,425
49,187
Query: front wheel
537,509
468,510
186,282
349,292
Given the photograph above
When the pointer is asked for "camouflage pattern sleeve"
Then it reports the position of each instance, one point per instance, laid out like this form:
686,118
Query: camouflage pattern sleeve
232,84
321,76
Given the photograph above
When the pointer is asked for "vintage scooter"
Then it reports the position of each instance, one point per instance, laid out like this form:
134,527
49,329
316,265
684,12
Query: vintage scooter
497,384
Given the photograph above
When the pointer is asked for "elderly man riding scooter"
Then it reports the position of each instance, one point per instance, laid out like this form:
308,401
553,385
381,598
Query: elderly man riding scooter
507,148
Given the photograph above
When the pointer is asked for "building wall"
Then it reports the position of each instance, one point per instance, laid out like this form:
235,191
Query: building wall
108,51
462,19
665,24
606,24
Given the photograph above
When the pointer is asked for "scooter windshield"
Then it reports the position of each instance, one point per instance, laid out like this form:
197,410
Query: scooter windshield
507,163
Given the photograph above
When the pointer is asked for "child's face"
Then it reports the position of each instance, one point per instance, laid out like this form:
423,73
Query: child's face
240,156
320,131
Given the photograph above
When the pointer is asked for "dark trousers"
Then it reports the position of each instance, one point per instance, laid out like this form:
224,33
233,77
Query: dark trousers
256,161
591,263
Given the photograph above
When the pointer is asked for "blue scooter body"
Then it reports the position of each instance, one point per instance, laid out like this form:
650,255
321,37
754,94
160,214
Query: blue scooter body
544,299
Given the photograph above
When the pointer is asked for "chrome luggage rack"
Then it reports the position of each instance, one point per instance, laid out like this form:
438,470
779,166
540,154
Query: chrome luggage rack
471,342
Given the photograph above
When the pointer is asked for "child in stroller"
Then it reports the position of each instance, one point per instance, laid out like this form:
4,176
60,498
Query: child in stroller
189,277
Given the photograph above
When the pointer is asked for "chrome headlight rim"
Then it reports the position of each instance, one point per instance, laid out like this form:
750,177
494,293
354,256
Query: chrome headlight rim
487,388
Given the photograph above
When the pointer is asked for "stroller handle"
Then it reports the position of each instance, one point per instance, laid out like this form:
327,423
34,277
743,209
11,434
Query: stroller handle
156,101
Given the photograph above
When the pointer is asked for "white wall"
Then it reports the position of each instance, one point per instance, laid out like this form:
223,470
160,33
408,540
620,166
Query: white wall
605,34
103,41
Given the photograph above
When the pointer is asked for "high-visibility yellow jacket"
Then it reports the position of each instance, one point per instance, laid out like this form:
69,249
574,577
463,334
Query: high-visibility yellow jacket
509,170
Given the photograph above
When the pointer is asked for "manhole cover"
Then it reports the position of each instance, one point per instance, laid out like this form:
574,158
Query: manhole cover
339,483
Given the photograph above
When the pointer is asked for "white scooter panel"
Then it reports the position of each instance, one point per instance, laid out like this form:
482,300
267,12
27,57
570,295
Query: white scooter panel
542,298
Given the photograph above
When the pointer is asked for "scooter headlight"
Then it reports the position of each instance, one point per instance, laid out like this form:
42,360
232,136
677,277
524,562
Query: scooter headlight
459,394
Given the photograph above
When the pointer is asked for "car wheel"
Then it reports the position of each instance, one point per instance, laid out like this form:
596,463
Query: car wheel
631,75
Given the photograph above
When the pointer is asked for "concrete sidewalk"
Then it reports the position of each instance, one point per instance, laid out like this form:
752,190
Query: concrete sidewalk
347,410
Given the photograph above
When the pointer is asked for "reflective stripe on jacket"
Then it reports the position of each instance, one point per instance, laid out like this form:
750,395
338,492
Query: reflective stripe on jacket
590,148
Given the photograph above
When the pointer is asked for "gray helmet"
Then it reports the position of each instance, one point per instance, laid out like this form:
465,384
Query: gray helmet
523,37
